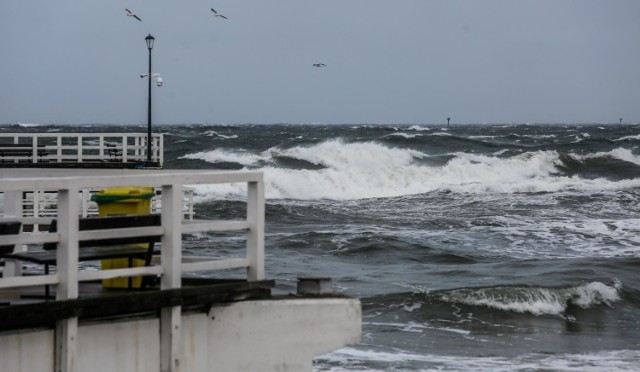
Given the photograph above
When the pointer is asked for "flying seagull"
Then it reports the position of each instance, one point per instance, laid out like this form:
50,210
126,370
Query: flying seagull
130,14
319,65
218,15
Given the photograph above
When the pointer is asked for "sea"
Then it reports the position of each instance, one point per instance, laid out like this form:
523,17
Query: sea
478,247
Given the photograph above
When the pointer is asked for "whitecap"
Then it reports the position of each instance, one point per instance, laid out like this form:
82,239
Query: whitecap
536,300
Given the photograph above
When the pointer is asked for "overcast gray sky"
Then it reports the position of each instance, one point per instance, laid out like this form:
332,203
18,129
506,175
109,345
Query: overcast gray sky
400,61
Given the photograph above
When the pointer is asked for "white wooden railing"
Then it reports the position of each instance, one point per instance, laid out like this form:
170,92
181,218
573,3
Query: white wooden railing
39,206
67,277
85,147
173,226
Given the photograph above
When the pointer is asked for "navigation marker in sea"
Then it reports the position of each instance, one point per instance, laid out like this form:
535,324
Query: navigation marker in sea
217,14
131,14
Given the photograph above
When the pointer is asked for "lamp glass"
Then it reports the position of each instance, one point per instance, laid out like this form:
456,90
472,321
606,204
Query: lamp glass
150,39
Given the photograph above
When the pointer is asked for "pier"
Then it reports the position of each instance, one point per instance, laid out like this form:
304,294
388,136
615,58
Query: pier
80,150
193,323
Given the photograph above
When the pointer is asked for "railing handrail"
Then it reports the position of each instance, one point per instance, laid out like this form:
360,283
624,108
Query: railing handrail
75,134
135,151
171,268
37,206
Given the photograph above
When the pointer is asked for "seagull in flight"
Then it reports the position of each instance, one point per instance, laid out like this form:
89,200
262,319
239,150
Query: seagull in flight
319,65
131,14
218,15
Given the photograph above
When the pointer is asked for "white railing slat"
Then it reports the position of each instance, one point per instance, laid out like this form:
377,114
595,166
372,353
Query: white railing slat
27,281
213,265
85,276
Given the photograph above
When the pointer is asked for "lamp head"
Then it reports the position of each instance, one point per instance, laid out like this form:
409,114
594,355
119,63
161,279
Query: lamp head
150,40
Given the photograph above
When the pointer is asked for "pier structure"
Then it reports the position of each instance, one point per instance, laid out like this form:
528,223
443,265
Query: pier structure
191,320
81,150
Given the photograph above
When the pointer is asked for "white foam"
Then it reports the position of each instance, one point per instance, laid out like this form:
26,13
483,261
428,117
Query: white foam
222,156
212,133
636,137
369,170
619,153
419,128
418,327
536,300
404,135
357,358
414,306
28,125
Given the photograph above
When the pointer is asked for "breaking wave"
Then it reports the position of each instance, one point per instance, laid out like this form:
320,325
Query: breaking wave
536,300
361,170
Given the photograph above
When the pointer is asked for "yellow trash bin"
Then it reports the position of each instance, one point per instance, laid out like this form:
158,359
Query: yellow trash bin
118,201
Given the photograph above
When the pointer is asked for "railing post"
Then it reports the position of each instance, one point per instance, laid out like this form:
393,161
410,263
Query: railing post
34,149
125,151
171,257
13,208
101,147
79,154
85,198
136,145
59,146
66,336
255,235
160,149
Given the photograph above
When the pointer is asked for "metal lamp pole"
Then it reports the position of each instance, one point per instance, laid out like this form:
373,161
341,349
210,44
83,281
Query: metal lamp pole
150,40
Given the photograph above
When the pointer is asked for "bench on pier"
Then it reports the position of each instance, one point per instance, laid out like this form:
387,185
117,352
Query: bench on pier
10,151
9,228
98,247
115,153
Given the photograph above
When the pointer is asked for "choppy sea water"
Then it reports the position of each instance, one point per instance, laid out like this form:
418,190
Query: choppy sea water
472,248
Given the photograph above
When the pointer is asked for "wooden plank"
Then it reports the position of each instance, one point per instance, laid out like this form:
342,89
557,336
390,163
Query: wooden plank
129,303
85,254
212,265
27,281
84,276
165,177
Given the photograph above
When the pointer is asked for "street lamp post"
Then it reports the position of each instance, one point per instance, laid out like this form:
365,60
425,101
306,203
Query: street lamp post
150,40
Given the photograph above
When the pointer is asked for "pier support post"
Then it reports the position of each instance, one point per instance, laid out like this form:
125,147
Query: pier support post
66,337
12,208
255,236
170,317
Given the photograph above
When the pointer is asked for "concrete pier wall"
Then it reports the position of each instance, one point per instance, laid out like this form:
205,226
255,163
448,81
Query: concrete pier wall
262,335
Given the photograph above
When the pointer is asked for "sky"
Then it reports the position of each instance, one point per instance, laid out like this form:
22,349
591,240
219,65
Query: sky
400,61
